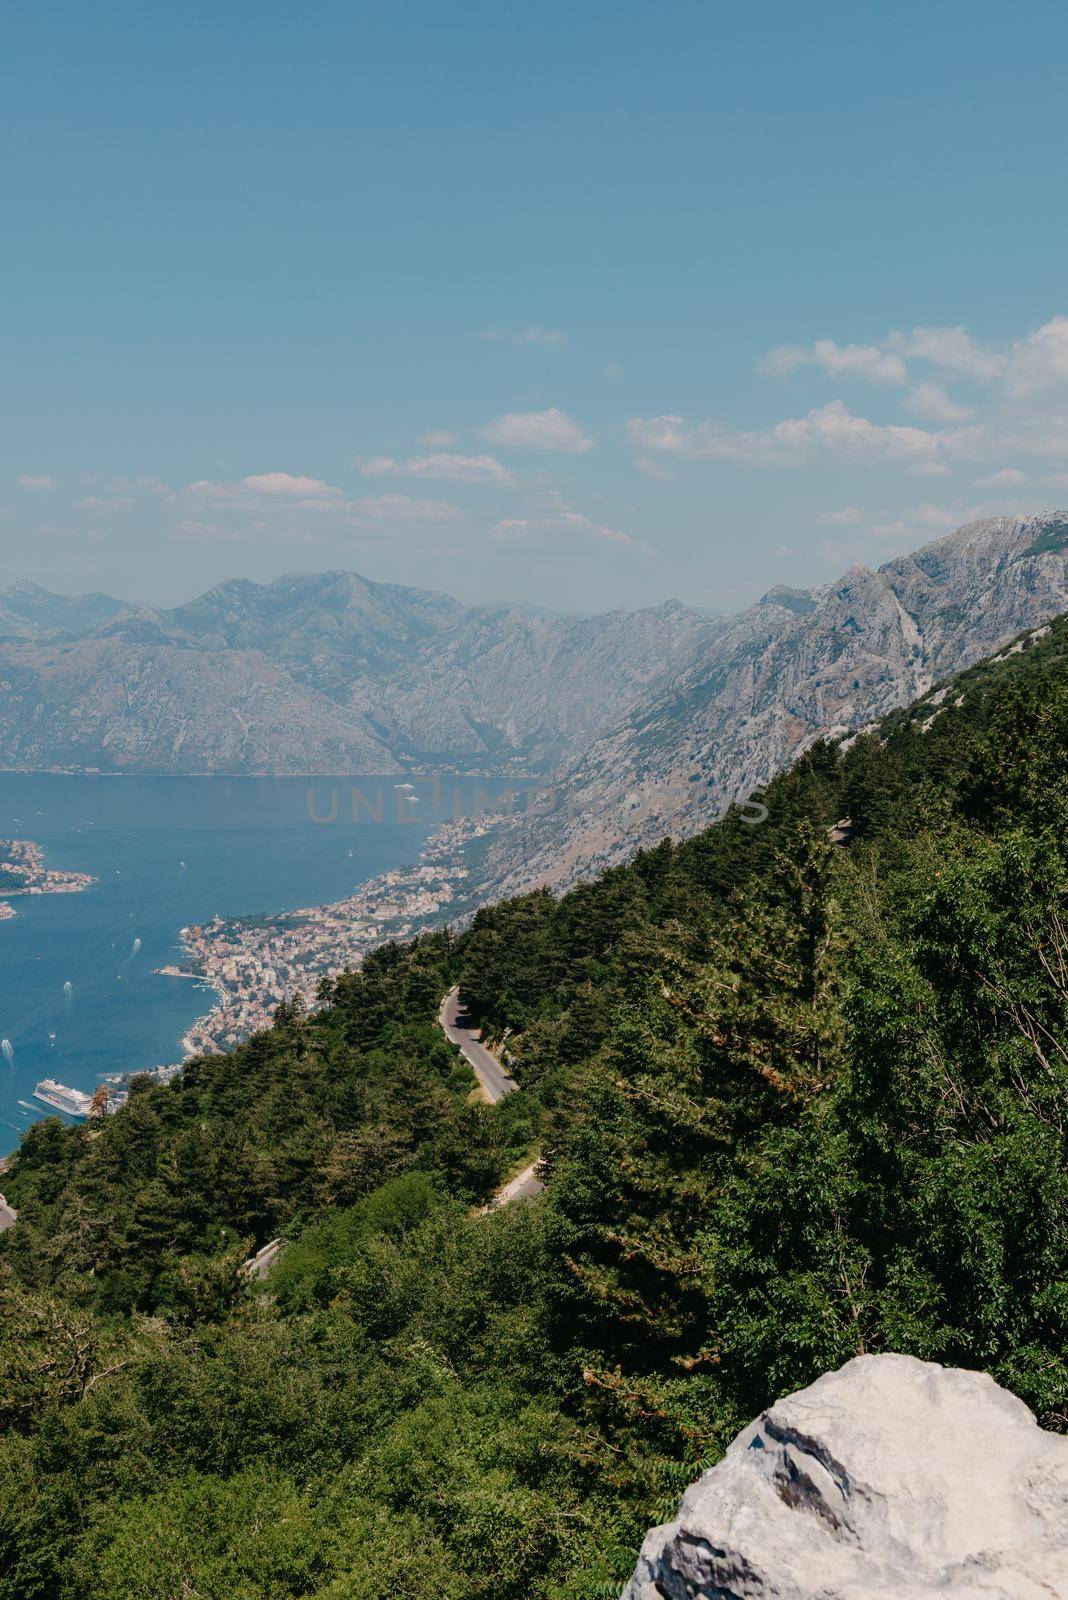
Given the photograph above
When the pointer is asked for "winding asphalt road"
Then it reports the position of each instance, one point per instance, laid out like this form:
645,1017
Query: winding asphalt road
262,1262
524,1186
495,1081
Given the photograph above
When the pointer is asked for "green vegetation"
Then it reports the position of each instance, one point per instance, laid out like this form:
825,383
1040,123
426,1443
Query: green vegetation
795,1100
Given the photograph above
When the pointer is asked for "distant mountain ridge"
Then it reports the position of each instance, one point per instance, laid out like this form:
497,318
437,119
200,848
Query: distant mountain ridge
797,665
648,721
319,674
28,611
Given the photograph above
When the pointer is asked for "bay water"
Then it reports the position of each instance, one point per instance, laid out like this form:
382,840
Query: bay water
78,995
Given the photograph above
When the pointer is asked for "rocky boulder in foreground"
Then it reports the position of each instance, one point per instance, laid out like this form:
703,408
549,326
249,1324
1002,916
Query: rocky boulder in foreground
889,1478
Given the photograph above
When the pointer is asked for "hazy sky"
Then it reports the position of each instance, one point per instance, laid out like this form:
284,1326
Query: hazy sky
582,304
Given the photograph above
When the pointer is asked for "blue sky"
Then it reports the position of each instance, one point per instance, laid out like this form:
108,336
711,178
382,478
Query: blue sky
583,305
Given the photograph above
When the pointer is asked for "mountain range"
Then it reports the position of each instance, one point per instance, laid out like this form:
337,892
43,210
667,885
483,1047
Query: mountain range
797,665
318,673
645,723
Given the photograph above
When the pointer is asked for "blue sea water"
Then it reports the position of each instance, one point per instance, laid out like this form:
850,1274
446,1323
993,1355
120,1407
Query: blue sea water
167,852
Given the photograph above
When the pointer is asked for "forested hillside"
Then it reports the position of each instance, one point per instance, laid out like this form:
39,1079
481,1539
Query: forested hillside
798,1096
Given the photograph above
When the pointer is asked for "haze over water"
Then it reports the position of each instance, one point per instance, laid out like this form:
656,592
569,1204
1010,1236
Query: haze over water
78,997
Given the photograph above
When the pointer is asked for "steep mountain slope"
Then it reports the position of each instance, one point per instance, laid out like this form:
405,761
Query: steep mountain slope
794,666
119,703
505,680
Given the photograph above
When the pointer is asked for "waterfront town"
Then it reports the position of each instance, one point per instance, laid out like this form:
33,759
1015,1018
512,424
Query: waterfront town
253,964
256,963
22,871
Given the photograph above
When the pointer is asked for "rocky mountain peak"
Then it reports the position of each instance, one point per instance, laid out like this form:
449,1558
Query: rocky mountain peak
28,611
799,601
23,587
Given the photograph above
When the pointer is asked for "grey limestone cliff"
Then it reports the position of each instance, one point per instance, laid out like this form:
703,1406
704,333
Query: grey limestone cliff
797,665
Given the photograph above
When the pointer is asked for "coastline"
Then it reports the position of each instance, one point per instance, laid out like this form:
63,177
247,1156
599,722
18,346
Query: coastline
415,767
255,963
23,860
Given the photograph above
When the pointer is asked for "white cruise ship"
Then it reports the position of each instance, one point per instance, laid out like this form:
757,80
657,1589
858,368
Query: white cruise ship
73,1101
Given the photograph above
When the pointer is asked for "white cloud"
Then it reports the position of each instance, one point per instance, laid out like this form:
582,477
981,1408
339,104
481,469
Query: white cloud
538,430
930,469
874,364
847,517
597,530
286,483
871,536
206,489
512,529
114,502
931,403
458,469
276,499
1055,480
122,485
529,335
929,516
1027,366
1041,360
403,508
282,486
437,438
827,430
653,469
851,360
914,522
1007,478
952,349
1039,432
267,492
1018,373
26,480
612,370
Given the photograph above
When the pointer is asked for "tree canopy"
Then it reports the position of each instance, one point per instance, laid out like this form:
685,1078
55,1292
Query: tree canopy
795,1099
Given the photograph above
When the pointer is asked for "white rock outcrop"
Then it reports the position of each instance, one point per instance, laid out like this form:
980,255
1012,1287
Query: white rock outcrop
891,1479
